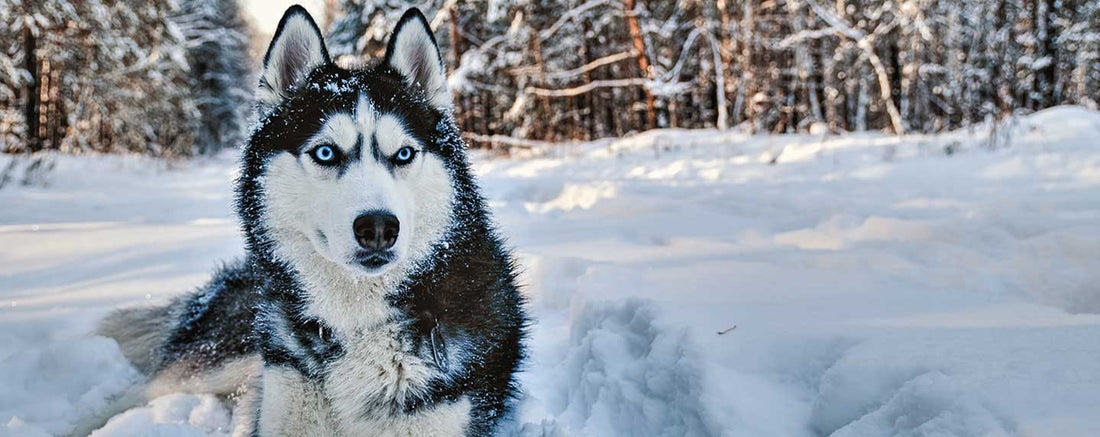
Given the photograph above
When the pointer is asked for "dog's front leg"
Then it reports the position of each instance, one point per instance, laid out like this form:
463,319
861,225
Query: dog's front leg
291,405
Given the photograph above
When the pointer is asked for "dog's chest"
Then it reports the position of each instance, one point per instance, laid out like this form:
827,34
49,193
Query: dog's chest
377,374
370,384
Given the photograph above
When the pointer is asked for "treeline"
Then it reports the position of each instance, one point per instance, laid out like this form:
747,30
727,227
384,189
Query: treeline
175,77
580,69
160,78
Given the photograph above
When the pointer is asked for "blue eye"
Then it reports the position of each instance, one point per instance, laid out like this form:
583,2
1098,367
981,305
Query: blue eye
404,156
325,155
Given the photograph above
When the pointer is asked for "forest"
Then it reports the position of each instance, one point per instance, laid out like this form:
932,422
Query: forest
175,78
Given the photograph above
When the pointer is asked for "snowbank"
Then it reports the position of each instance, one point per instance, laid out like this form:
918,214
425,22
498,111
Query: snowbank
683,282
176,415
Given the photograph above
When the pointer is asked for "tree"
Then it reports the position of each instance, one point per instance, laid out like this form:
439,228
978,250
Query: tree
114,75
160,78
220,73
360,30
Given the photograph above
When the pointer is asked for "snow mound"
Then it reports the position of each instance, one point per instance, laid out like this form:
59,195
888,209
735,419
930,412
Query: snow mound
970,382
1073,120
927,405
176,415
48,388
624,376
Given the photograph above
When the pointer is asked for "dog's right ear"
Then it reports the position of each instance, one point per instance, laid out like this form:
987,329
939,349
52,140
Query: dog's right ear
295,51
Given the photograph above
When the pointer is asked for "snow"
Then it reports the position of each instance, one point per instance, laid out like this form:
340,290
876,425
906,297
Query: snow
683,283
74,377
175,415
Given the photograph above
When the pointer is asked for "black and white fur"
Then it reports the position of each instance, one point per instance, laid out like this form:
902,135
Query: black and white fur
310,333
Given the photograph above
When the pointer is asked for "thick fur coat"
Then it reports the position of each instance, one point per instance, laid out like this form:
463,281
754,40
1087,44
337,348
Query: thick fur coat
325,327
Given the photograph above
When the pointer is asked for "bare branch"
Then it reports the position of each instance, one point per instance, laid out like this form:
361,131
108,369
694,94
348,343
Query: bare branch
511,142
567,74
866,43
588,87
807,35
575,12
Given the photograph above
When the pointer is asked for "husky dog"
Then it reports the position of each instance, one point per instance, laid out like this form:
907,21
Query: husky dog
376,297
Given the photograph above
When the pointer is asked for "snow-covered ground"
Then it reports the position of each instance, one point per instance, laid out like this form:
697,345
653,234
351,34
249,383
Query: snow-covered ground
684,283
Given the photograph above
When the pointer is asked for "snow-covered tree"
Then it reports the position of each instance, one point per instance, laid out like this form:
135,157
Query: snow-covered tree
1081,41
220,70
114,75
562,69
362,26
171,76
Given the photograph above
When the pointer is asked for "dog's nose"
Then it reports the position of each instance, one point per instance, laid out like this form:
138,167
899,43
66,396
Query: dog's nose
376,230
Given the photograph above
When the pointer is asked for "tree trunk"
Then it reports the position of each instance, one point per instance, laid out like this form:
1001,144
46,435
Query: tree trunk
884,86
587,102
747,88
725,39
1047,40
547,124
456,61
643,62
722,122
1002,92
30,108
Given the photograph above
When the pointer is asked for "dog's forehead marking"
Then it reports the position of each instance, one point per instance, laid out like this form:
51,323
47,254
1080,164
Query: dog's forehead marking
346,129
387,131
365,113
390,133
364,132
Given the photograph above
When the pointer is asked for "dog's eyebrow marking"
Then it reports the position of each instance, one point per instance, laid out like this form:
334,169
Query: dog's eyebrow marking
376,151
356,150
354,155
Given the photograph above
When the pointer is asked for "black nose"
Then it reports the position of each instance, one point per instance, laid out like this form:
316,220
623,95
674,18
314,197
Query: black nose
376,230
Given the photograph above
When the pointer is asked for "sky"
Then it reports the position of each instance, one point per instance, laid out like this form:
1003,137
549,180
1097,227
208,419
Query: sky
266,13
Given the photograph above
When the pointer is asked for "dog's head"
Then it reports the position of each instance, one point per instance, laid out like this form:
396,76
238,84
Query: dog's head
351,172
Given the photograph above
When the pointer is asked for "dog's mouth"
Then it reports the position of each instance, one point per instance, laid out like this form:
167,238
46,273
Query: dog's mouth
374,261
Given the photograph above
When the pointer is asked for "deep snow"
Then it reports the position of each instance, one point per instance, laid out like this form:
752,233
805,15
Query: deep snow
684,283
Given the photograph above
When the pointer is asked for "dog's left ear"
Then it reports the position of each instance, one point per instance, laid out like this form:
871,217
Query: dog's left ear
413,52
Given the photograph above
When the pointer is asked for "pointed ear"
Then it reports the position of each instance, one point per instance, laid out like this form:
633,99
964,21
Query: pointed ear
295,51
412,51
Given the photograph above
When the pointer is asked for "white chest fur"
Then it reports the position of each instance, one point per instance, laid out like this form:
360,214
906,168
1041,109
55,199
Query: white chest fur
295,406
370,384
364,390
376,375
361,393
